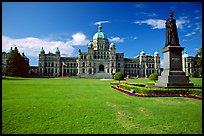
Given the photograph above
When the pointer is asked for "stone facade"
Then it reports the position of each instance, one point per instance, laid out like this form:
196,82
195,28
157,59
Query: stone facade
5,56
188,64
101,61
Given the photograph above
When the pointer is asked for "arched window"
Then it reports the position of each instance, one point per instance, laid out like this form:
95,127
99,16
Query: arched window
101,67
83,64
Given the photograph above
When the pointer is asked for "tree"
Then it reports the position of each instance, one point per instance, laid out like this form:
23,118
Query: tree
17,65
198,61
153,76
118,76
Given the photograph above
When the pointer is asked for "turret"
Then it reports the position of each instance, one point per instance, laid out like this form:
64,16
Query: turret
42,51
57,51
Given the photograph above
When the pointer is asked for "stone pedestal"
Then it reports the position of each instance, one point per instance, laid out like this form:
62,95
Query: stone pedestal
173,75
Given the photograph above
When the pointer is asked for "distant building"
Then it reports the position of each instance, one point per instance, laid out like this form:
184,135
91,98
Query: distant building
188,64
5,56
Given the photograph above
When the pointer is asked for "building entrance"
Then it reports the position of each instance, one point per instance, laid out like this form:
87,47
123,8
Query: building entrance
101,68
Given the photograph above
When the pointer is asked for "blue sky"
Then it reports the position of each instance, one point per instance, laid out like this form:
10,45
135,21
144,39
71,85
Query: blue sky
132,26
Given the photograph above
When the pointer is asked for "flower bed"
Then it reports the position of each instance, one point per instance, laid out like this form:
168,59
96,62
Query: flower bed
156,95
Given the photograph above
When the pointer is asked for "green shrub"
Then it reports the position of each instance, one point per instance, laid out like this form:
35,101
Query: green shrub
144,90
150,83
118,76
114,83
137,84
196,91
153,76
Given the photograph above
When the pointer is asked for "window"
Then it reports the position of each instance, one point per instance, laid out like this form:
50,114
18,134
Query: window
118,64
89,63
84,57
90,71
83,70
83,64
107,70
112,64
81,57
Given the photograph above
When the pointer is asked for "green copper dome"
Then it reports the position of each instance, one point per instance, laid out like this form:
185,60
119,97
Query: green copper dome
42,50
9,51
156,53
90,44
185,55
57,51
142,52
99,34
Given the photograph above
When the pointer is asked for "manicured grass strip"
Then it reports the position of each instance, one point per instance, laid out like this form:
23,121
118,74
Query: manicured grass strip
156,95
90,106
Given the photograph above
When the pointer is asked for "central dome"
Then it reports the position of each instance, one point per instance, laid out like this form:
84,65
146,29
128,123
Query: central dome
99,34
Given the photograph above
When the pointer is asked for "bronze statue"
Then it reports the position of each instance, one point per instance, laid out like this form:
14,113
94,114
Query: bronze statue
171,31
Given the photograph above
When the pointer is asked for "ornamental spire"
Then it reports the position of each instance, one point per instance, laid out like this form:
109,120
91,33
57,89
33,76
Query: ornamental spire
99,27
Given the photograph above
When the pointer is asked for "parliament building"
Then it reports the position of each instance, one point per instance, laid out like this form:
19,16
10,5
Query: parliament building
101,61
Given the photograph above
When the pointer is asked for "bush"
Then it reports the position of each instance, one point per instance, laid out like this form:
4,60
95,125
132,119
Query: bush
118,76
137,84
114,83
153,76
144,90
150,83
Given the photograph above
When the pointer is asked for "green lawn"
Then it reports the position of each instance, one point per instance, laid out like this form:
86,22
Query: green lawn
67,105
196,81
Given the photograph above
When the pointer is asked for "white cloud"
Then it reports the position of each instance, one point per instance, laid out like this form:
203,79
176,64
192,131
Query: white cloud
32,46
78,39
190,34
140,5
135,38
181,22
197,49
198,27
160,24
184,40
198,17
149,14
155,23
101,22
116,39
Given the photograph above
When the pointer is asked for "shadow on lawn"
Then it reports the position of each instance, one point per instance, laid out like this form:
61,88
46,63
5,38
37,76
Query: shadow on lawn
13,78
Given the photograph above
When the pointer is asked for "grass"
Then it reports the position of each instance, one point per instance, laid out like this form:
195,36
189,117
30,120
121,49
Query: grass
196,81
78,106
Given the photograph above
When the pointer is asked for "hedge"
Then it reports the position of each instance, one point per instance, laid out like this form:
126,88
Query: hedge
144,90
114,83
